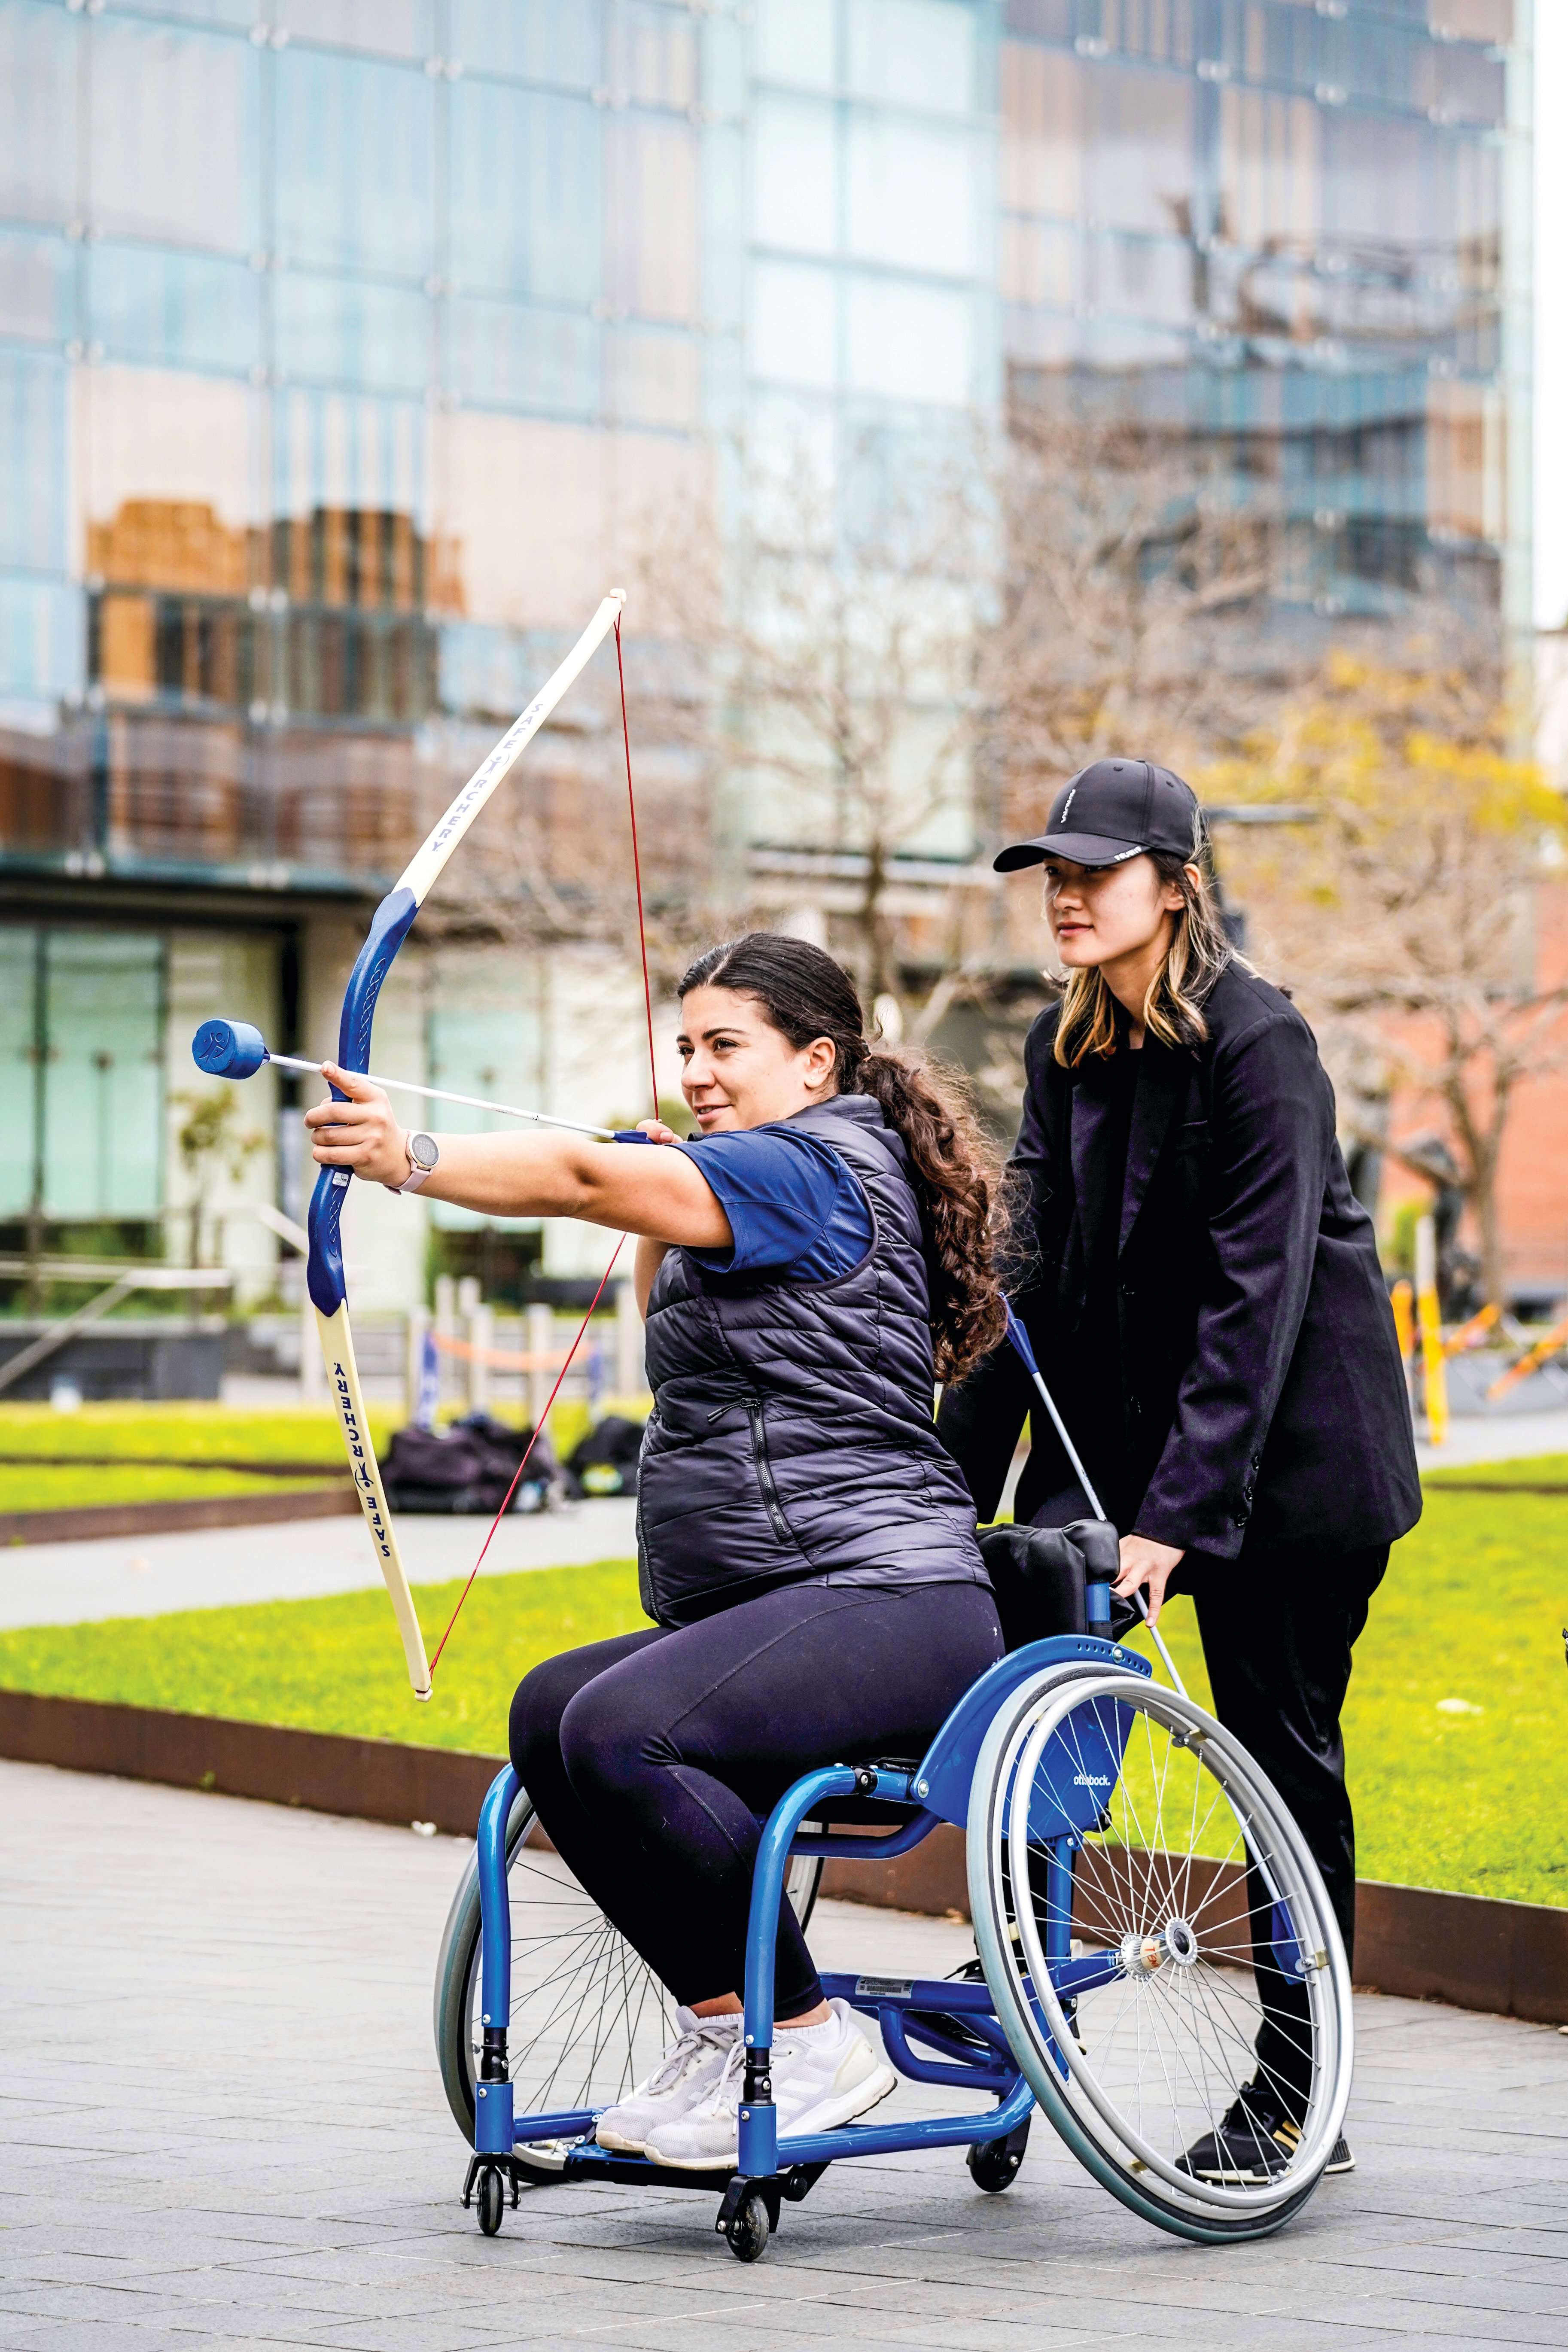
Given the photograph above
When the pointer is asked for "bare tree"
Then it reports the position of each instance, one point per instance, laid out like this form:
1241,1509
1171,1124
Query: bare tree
1405,916
1136,613
838,636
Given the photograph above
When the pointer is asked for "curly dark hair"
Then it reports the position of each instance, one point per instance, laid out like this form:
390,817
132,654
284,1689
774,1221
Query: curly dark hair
957,1171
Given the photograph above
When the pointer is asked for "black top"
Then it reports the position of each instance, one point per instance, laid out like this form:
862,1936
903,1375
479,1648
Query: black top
1258,1375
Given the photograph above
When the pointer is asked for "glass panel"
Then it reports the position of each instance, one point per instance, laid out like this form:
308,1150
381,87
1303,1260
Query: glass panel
103,1106
239,15
795,176
335,456
909,343
38,288
398,28
176,307
795,324
33,446
172,479
797,41
654,379
653,264
525,193
175,135
1139,151
353,172
539,40
523,514
486,1037
41,646
653,55
913,53
348,330
913,195
37,74
1270,171
18,1070
505,356
1042,130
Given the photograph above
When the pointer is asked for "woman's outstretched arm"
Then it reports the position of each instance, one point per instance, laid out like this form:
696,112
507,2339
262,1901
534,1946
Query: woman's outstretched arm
632,1188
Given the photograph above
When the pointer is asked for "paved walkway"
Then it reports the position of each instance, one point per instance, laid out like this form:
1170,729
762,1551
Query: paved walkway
220,2125
146,1576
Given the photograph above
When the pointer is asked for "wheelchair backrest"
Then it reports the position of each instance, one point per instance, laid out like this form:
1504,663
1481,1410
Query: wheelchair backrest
947,1768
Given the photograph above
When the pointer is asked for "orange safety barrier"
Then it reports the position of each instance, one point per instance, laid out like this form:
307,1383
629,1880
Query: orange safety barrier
502,1359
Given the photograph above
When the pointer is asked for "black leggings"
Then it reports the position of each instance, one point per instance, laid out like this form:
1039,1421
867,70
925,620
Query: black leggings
650,1757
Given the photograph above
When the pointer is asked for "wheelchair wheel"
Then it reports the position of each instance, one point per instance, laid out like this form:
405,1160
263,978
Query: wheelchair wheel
588,2018
1143,1903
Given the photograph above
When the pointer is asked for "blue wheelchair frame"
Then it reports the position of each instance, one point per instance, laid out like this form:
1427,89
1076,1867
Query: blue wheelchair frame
906,2010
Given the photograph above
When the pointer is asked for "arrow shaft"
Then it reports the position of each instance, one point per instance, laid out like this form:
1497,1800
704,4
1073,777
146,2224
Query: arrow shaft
440,1094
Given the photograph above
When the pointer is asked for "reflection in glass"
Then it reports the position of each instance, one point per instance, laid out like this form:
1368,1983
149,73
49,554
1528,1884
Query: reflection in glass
350,330
537,40
38,288
37,74
505,355
175,128
353,144
32,473
182,309
653,177
396,28
525,193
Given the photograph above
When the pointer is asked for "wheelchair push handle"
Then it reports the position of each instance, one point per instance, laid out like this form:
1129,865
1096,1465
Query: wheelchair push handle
1097,1593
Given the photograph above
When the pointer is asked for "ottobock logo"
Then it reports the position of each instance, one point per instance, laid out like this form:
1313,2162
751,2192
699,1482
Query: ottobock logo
1090,1781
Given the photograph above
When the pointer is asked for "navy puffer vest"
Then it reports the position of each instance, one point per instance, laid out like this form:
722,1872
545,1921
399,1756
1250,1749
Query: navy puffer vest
792,1436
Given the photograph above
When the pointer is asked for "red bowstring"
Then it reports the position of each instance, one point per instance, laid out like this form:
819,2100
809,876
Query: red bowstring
653,1078
528,1449
636,871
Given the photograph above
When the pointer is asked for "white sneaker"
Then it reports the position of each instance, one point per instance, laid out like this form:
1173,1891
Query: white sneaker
824,2075
684,2076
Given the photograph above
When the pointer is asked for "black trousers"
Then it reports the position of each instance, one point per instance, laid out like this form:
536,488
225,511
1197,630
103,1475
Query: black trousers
651,1757
1279,1624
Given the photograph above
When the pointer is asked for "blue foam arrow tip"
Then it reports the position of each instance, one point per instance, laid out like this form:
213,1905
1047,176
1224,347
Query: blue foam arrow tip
228,1049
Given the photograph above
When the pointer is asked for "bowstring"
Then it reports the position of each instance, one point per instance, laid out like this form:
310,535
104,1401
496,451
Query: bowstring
534,1440
653,1080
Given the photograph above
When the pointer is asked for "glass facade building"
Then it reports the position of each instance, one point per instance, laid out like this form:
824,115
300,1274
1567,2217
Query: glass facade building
346,344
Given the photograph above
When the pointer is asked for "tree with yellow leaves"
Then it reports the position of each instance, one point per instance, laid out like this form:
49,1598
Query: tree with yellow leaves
1405,918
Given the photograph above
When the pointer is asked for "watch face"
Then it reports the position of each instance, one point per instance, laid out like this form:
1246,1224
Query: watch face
421,1151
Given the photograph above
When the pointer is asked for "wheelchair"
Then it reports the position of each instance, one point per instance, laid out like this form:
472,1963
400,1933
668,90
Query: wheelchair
1140,1896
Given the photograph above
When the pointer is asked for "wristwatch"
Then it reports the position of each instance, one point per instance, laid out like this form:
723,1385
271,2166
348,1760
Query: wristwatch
422,1158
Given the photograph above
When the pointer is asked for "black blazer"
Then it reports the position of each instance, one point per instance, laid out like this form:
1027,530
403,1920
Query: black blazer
1261,1384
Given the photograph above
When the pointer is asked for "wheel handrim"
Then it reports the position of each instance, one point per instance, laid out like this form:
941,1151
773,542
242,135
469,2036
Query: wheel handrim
1192,2024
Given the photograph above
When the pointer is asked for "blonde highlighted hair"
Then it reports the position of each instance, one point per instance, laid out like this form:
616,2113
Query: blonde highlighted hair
1173,1006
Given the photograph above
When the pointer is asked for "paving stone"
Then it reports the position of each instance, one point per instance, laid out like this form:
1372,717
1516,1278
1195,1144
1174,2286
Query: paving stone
220,2125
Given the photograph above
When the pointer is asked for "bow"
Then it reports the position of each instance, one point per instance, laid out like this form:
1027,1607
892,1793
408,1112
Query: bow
389,928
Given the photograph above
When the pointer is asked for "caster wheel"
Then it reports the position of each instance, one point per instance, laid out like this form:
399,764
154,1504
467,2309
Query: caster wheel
993,2165
491,2199
747,2232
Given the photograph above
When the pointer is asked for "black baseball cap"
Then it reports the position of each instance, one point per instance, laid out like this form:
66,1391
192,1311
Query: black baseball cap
1109,811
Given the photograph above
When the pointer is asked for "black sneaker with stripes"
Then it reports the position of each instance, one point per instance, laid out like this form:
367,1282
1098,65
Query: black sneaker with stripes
1251,2146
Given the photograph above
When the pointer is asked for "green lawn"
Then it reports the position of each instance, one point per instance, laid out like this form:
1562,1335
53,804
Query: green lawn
336,1664
1468,1797
59,1487
188,1432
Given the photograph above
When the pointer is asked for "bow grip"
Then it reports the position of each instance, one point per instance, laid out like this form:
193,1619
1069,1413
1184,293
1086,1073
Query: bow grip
389,928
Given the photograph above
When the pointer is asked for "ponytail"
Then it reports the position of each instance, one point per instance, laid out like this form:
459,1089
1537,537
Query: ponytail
957,1174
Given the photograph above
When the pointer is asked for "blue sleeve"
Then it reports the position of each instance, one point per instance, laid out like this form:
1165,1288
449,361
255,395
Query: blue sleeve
794,1208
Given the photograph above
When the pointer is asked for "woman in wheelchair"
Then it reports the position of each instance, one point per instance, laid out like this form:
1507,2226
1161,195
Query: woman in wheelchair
808,1266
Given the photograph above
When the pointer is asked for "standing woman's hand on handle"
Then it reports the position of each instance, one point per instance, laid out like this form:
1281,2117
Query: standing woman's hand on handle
1143,1562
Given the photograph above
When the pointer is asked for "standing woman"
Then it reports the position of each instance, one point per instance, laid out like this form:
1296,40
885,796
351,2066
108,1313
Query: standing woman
809,1266
1206,1306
